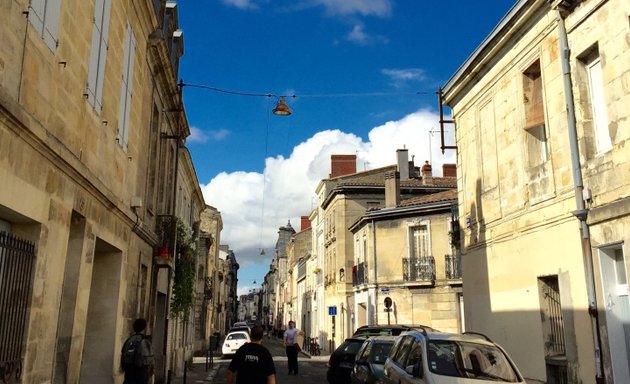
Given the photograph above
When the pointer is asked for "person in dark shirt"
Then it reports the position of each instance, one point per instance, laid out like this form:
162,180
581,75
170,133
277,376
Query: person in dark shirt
252,363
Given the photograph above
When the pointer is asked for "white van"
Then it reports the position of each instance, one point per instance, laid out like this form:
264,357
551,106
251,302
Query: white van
431,357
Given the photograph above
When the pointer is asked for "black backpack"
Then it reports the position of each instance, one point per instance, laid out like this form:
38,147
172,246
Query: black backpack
130,355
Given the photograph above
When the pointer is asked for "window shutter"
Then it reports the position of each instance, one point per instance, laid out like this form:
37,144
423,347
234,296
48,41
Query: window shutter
535,111
51,23
36,15
94,53
125,88
104,29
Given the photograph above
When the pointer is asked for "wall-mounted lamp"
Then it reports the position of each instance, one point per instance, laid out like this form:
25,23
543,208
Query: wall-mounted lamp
282,109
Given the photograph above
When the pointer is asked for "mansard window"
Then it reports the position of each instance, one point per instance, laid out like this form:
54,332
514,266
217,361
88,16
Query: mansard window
597,100
534,115
98,53
44,17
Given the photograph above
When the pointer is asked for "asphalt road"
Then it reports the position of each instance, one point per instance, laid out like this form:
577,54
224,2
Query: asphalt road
311,370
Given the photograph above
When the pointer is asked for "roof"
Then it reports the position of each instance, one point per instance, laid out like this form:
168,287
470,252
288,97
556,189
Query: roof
448,195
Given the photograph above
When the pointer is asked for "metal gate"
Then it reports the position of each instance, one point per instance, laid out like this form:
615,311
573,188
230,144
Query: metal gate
17,257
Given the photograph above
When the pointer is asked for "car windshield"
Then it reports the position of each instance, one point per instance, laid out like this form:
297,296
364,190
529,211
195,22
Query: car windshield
379,352
237,336
470,360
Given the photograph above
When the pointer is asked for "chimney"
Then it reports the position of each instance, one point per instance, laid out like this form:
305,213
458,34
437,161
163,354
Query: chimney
305,223
403,163
392,189
341,165
449,170
427,174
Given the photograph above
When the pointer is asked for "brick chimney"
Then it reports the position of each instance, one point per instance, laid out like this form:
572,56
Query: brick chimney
402,156
341,165
449,170
392,189
427,173
305,223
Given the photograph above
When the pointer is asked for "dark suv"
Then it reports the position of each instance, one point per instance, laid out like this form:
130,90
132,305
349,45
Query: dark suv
388,330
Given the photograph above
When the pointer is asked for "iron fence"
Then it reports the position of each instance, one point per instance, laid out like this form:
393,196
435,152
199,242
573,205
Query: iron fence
17,257
419,269
453,267
359,274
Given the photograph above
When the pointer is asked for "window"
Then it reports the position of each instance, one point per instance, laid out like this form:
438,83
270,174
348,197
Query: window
419,241
597,99
96,69
125,88
551,315
534,115
403,351
44,17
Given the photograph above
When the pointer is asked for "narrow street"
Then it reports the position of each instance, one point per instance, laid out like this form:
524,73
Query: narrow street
311,370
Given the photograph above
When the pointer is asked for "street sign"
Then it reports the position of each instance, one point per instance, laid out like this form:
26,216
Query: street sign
388,302
332,310
385,290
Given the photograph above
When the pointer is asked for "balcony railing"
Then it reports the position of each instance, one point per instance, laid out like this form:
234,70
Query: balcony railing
453,267
359,274
419,269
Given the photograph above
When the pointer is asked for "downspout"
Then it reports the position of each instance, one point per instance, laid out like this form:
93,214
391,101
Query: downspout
375,314
581,212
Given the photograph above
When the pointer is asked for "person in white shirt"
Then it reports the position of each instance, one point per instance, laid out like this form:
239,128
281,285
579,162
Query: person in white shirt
292,347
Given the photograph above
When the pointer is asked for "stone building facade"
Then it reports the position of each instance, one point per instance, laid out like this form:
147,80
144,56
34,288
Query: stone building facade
92,165
541,117
405,252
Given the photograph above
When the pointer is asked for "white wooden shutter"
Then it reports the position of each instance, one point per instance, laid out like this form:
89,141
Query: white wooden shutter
94,53
104,29
598,105
36,15
51,23
126,88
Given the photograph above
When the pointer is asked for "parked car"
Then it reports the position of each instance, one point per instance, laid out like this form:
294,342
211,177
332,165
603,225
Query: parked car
233,341
435,357
387,330
240,326
368,365
341,361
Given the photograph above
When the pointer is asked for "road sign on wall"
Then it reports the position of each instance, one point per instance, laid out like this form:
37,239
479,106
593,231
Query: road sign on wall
385,290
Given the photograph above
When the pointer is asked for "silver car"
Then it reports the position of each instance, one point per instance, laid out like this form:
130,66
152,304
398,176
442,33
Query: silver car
438,358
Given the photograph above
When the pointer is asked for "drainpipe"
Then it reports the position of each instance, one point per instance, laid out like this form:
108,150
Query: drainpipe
375,314
581,212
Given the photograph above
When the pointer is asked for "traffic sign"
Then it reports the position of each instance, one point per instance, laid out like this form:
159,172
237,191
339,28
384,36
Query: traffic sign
332,310
385,290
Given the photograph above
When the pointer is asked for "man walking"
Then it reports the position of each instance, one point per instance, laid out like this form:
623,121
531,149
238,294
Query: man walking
252,363
137,355
292,346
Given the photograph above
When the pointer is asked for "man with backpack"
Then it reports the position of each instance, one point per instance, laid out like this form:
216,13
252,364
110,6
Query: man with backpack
136,359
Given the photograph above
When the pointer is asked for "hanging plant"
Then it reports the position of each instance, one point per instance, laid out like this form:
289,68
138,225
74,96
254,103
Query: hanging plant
183,296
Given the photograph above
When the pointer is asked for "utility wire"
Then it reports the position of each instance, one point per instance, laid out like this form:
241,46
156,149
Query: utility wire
354,94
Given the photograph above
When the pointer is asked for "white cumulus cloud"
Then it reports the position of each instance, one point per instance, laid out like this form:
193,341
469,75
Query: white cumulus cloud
253,205
379,8
360,36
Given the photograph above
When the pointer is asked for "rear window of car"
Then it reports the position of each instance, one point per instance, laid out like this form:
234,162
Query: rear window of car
350,347
237,336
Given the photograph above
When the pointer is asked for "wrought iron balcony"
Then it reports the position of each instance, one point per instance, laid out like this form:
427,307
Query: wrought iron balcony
359,274
453,267
419,269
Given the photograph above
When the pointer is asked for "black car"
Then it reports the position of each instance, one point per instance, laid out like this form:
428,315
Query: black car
368,366
388,330
341,360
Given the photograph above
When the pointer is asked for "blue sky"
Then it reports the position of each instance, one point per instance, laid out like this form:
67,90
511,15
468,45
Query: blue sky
364,72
